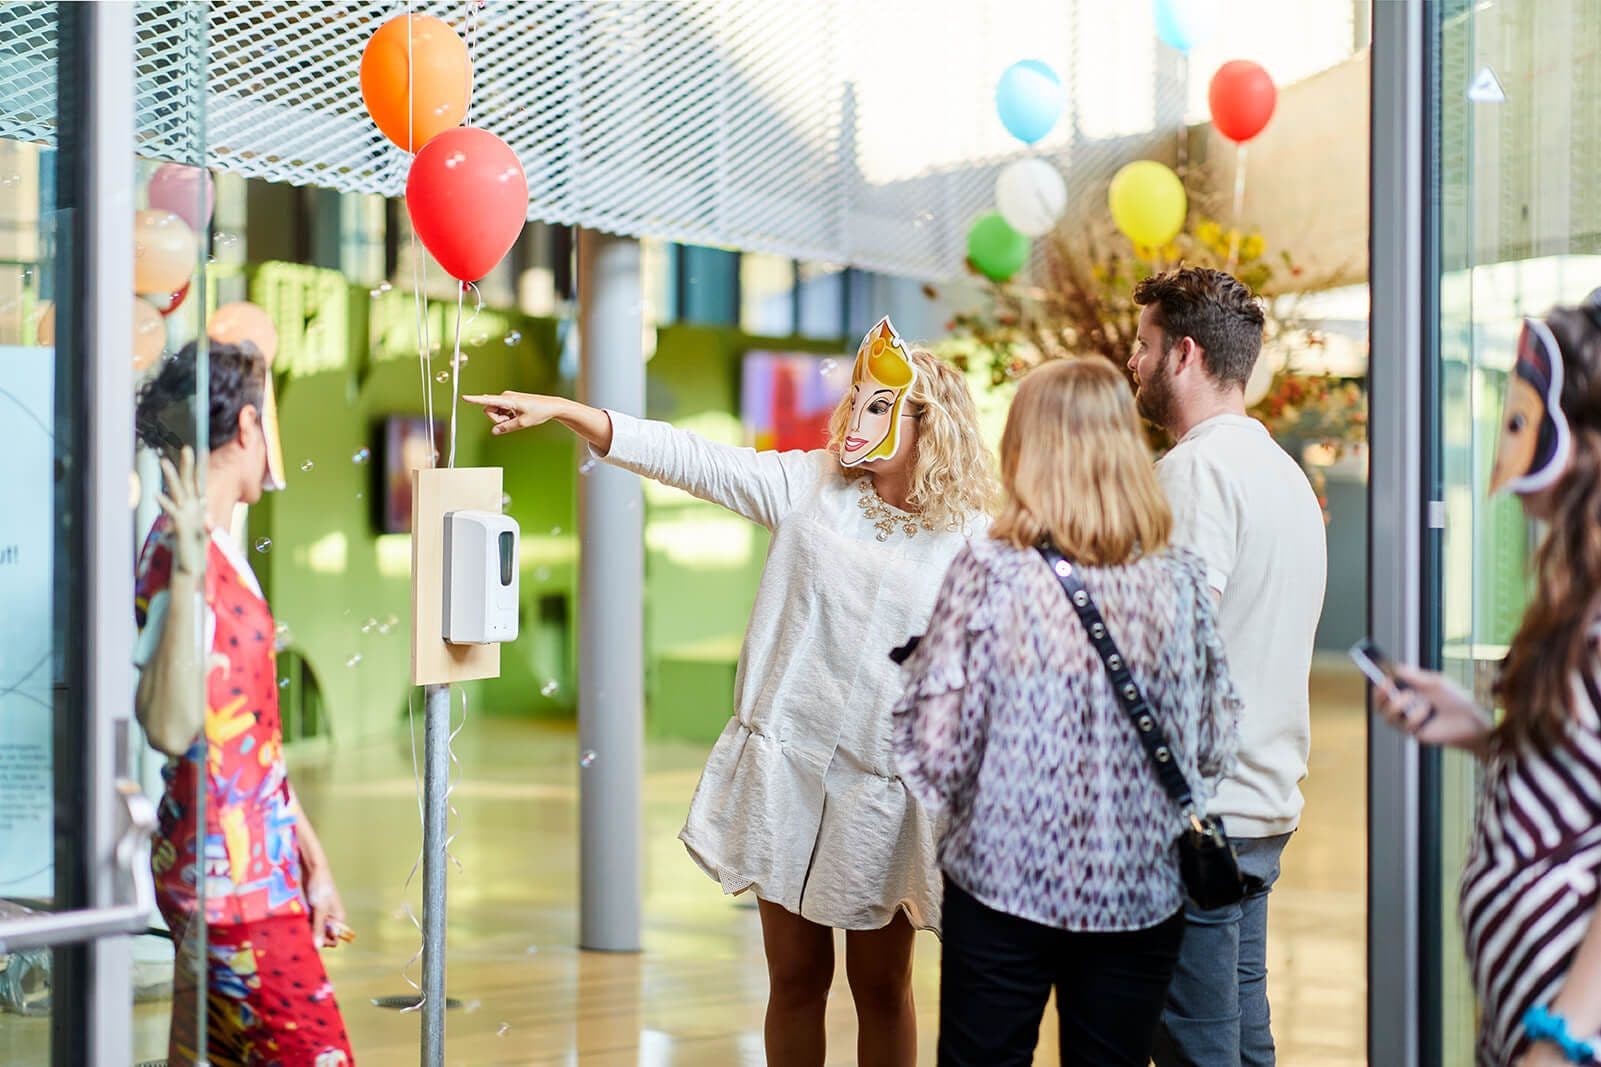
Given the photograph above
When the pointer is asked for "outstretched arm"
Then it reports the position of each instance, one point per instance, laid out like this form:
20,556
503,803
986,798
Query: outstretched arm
761,486
511,412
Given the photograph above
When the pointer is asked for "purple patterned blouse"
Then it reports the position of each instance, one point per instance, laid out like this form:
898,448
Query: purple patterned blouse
1009,727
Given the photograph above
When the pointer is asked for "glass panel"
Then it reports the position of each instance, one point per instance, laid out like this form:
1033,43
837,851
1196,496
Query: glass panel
1519,224
179,247
39,691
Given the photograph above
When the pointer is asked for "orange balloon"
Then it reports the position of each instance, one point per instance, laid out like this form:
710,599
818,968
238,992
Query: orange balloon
244,321
149,335
413,100
164,252
149,332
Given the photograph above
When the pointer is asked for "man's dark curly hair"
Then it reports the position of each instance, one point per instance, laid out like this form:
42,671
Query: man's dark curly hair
1214,309
164,415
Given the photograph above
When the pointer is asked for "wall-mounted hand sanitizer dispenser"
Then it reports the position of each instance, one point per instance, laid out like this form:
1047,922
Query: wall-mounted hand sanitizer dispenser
480,599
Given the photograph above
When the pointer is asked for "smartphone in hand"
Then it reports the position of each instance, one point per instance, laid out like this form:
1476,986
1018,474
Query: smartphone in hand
1372,661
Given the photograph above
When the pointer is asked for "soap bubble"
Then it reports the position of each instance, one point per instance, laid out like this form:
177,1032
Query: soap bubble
226,240
503,1028
555,531
549,688
360,496
280,636
369,626
587,760
263,544
505,501
354,660
442,377
283,683
391,620
477,340
531,950
828,366
361,455
587,466
542,574
512,338
308,465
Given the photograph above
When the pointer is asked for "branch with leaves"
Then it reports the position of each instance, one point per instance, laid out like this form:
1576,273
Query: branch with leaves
1081,303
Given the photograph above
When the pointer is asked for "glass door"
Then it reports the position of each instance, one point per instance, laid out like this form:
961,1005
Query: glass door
1516,99
100,279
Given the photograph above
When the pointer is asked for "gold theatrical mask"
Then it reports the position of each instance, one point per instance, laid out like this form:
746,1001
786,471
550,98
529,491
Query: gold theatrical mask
880,383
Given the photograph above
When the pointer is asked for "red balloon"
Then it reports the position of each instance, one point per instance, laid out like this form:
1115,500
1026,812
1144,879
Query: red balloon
468,200
1242,99
174,300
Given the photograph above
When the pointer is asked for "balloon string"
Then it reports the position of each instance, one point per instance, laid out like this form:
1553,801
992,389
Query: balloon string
416,864
450,781
472,55
1239,206
455,375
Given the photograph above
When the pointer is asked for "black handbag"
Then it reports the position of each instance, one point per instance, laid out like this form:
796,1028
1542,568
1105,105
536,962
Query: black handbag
1207,863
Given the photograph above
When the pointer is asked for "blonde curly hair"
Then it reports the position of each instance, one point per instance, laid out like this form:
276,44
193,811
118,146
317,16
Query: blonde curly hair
953,474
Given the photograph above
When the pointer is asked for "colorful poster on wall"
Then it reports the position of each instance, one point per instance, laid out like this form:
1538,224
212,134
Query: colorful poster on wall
27,660
786,398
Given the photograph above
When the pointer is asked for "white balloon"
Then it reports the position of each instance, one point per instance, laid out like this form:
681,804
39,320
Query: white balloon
1030,195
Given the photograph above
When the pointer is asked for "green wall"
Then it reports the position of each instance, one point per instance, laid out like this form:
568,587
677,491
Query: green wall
347,359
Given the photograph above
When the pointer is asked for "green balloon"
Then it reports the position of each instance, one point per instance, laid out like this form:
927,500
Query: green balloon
995,249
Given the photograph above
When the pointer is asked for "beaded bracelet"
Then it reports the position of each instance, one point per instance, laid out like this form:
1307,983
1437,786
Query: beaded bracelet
1542,1025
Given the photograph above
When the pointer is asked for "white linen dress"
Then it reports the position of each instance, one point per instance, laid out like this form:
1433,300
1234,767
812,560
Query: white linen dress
800,802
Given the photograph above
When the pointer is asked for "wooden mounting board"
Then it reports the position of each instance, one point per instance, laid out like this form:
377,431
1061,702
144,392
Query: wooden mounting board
434,492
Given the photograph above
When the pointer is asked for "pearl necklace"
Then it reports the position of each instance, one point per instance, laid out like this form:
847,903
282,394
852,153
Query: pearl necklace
884,517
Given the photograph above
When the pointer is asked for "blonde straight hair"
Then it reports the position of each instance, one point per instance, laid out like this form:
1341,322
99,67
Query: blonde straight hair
1076,470
953,476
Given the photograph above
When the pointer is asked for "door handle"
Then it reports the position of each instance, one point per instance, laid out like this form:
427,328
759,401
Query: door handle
135,888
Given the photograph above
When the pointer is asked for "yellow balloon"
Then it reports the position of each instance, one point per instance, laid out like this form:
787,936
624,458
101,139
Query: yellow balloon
164,252
1148,203
149,335
244,321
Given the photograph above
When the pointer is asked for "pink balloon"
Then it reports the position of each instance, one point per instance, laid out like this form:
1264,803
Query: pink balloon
178,189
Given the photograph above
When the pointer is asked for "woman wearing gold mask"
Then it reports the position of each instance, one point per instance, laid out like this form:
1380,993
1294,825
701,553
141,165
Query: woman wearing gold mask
800,803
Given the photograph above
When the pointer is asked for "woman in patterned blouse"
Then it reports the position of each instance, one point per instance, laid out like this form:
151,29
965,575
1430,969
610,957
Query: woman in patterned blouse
1059,859
1528,892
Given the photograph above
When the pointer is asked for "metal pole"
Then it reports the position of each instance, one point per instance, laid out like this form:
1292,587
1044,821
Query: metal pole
1396,519
95,244
611,709
436,813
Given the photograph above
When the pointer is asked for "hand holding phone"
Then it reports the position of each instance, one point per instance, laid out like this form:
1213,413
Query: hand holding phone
1426,704
1372,661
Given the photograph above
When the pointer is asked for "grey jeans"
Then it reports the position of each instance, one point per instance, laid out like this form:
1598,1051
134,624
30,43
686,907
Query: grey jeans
1217,1011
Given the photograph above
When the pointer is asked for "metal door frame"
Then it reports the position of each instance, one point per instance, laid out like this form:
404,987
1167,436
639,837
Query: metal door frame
103,821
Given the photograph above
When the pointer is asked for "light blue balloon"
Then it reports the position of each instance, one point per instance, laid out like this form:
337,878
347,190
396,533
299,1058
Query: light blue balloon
1183,24
1029,98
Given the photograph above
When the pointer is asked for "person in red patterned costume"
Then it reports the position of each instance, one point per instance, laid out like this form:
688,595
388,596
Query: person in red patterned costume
255,871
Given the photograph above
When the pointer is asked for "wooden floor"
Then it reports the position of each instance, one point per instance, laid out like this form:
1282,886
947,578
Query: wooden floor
695,995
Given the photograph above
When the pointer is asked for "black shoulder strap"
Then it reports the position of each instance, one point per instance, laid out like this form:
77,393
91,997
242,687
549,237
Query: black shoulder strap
1128,692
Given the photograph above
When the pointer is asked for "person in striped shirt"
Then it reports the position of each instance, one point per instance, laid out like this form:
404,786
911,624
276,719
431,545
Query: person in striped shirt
1529,887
